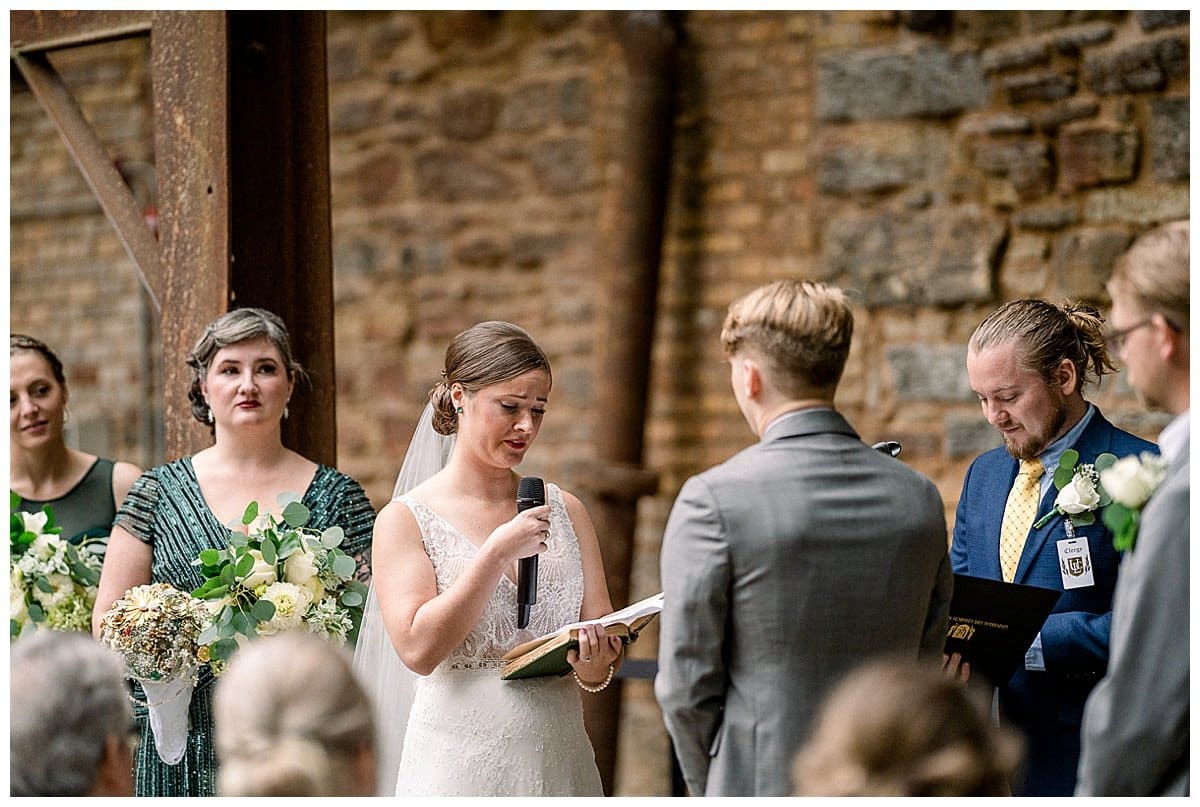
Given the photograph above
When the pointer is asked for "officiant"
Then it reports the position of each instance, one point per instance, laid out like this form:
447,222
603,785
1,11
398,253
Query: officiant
1028,363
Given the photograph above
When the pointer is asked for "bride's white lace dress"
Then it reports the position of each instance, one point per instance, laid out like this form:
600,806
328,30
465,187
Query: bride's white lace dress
471,733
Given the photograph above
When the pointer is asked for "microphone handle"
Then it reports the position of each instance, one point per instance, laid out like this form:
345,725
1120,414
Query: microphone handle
526,588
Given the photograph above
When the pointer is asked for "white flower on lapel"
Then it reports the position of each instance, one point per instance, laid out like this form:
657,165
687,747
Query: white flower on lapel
1133,480
1080,492
1130,480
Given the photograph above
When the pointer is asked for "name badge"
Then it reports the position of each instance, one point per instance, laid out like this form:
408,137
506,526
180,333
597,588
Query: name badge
1075,563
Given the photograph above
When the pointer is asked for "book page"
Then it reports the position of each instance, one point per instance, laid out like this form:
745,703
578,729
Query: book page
650,605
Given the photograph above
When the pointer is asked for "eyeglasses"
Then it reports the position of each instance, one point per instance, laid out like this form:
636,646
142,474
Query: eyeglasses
1115,340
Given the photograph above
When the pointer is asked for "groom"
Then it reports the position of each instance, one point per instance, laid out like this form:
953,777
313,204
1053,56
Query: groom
792,562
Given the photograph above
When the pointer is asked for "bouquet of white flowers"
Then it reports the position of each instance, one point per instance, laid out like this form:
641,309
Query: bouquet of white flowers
279,575
52,582
155,629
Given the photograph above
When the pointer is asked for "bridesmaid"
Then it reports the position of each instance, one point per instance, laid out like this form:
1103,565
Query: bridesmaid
243,374
83,490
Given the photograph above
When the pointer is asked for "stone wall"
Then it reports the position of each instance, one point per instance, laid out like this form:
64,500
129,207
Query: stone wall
935,163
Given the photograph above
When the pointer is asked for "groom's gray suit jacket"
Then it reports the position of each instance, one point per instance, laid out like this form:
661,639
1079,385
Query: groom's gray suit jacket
782,569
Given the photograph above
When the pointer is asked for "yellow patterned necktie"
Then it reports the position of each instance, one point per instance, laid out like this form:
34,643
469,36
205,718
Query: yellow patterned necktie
1019,513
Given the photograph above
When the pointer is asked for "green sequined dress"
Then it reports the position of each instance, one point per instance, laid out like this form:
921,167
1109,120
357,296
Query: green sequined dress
166,509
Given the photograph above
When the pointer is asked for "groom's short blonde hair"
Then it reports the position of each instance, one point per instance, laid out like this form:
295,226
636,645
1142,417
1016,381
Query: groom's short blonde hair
800,329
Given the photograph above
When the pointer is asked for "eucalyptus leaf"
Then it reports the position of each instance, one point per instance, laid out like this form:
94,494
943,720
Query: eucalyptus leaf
333,537
251,513
14,628
226,615
295,514
85,574
286,498
244,624
216,593
228,577
352,599
210,557
1062,476
224,648
244,565
1104,460
208,635
43,583
268,550
343,566
225,630
1069,459
238,539
1084,519
35,612
14,500
263,610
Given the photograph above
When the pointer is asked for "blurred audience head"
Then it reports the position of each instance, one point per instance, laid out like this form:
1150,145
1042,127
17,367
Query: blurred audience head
291,719
70,718
903,728
797,330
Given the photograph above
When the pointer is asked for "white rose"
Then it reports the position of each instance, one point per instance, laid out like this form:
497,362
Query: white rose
262,572
301,568
44,546
35,522
1130,480
1079,496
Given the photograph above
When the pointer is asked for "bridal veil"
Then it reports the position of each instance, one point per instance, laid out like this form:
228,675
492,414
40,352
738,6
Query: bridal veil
389,683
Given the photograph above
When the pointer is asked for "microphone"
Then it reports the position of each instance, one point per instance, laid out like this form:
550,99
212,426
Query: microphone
531,492
890,447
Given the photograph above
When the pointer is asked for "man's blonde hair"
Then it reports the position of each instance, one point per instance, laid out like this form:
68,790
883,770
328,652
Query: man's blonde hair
1155,272
800,329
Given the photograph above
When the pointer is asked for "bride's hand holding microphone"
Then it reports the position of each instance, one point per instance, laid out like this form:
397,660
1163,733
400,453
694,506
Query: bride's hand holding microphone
524,535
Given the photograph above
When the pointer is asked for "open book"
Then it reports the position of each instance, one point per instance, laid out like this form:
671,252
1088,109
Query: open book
547,655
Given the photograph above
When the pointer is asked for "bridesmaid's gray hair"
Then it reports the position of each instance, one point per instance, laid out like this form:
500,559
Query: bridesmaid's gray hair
480,356
291,719
228,329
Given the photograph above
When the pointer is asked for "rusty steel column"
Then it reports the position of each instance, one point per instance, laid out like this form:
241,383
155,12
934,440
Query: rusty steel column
281,245
189,69
633,231
242,147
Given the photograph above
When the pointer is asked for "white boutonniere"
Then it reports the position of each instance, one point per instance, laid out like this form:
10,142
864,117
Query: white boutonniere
1130,482
1080,491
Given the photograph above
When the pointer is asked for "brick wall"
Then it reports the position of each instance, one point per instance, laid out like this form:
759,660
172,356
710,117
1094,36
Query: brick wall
936,163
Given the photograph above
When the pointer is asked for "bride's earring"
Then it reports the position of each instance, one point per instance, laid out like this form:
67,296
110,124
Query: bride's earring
458,410
285,412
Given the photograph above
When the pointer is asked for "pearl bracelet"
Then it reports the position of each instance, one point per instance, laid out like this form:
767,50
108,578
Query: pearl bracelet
589,687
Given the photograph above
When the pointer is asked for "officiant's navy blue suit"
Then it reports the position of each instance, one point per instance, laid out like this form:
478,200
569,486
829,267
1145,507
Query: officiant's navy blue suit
1047,706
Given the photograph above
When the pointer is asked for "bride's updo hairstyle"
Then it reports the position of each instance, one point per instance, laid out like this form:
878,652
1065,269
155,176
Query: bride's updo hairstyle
482,355
291,719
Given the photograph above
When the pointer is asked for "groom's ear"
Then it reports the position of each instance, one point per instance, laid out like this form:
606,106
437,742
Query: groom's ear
752,381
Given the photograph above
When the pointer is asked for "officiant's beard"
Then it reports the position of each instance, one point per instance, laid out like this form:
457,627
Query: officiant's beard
1034,443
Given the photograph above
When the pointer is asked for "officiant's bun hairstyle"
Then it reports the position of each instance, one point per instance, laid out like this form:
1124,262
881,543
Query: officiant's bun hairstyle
291,719
482,355
231,328
1046,333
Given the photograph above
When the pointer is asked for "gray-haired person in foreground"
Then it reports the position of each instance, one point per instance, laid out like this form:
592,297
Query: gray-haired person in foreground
69,718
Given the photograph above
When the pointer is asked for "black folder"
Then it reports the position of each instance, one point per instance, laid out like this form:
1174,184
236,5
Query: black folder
992,623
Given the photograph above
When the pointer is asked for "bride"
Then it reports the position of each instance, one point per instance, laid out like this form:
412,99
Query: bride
444,575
